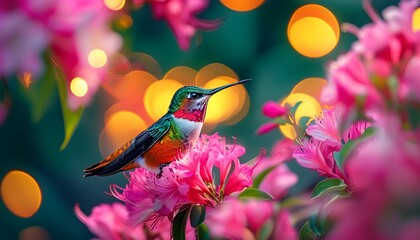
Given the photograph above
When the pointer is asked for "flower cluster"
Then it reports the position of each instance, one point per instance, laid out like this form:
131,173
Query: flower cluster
188,181
210,178
368,141
380,72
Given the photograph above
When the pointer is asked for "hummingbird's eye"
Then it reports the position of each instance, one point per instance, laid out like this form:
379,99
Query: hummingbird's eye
193,95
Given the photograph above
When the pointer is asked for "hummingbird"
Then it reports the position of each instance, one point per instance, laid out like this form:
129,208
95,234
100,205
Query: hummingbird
169,137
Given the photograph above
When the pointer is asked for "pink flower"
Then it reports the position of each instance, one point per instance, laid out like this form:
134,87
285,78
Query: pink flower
325,138
109,222
228,220
267,127
272,109
71,30
187,181
325,128
237,219
79,28
257,213
316,155
283,228
278,181
379,72
22,42
181,17
383,173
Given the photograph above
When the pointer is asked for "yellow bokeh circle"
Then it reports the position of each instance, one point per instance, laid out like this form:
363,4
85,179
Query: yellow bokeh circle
21,193
308,107
242,5
416,20
79,87
222,105
158,96
311,86
97,58
114,4
120,127
313,31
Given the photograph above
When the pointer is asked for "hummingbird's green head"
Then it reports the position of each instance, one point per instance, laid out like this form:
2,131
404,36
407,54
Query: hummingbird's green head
194,99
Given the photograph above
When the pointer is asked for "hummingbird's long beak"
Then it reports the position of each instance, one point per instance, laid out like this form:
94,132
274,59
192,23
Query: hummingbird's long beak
215,90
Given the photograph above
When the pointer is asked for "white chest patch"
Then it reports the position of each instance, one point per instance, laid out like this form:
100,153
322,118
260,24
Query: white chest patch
189,128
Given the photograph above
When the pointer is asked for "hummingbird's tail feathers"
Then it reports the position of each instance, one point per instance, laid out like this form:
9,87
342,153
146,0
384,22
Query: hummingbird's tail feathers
123,158
115,162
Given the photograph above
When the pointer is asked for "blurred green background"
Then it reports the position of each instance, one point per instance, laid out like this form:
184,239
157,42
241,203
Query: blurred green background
254,44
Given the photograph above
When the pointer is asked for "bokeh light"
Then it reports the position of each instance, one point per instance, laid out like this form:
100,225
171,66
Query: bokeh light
416,20
242,5
311,86
97,58
158,97
309,107
313,31
225,103
78,86
133,86
34,233
124,21
120,127
213,70
21,193
185,75
114,4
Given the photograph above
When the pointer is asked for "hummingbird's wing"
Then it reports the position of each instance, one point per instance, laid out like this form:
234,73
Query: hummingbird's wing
125,155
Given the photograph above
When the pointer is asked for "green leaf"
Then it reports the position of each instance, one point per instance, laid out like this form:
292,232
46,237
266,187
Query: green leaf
327,186
203,232
71,118
179,224
280,120
265,232
254,193
258,179
319,224
293,108
306,233
197,215
348,148
40,93
303,122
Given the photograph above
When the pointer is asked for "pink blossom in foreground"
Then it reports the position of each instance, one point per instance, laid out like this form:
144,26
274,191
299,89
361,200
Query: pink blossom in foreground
380,71
181,17
109,222
384,174
284,228
235,219
189,180
280,179
228,220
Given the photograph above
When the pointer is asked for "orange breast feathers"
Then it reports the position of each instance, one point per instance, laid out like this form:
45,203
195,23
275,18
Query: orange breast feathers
164,151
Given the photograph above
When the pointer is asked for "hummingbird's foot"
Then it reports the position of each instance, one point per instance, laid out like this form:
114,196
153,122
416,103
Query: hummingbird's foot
159,175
